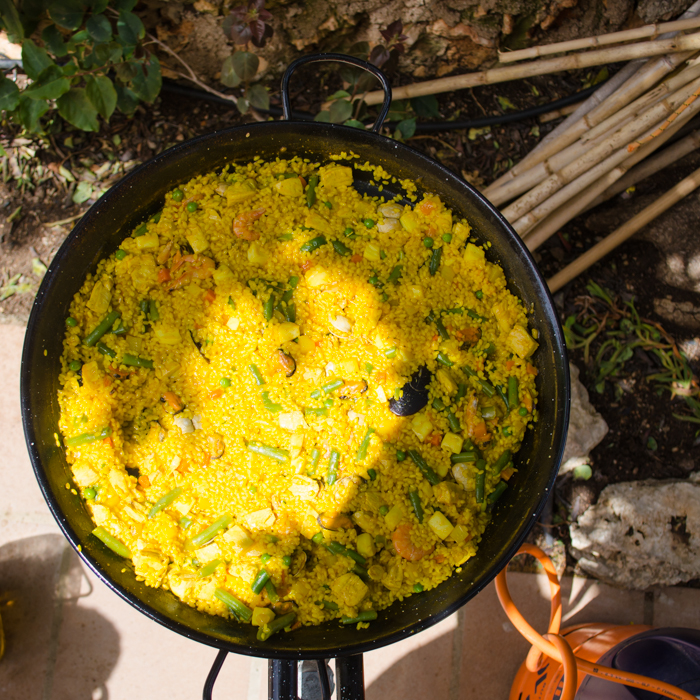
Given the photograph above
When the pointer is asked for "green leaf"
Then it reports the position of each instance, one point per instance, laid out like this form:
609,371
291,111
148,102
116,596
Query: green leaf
50,86
406,128
339,95
99,6
147,81
127,102
339,111
34,59
258,96
53,40
130,28
425,107
245,64
80,37
126,72
69,69
229,77
99,28
505,103
124,5
82,193
9,94
11,21
30,112
354,123
323,116
102,94
75,107
67,13
243,105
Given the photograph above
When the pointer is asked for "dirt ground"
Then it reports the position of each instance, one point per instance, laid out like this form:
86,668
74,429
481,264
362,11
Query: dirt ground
645,440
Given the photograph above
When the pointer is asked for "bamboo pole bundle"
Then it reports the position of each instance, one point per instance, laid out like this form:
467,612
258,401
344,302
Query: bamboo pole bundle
649,31
629,228
529,178
594,156
557,113
584,199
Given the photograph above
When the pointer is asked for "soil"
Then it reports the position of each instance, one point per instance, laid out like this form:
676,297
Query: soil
634,415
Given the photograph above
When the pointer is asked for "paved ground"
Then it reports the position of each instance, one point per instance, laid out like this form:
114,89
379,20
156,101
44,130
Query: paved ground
70,638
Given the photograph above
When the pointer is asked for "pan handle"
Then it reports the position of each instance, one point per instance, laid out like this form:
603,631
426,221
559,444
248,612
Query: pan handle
337,58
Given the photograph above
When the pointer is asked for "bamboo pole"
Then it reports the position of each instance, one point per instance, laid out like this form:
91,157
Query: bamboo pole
523,182
558,113
650,167
649,31
501,74
628,229
581,202
594,156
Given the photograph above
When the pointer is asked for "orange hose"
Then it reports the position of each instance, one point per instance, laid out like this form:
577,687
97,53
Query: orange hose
558,648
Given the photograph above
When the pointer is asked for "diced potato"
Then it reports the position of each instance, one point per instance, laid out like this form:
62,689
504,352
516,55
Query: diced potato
381,394
393,517
240,191
291,421
505,315
167,368
366,521
495,274
441,468
197,240
144,274
209,553
416,291
83,475
100,297
452,442
459,533
317,277
449,493
134,343
409,220
257,254
336,176
287,331
447,272
390,210
168,335
262,616
474,254
350,588
372,252
460,232
238,537
305,344
233,323
443,222
446,380
440,525
365,545
222,274
421,426
464,476
520,343
149,241
291,187
315,221
349,367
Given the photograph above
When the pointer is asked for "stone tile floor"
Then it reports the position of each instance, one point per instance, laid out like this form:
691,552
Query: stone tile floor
70,638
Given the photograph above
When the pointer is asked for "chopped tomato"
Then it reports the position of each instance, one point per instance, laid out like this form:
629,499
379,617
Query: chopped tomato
507,473
426,207
527,401
435,439
356,258
216,394
164,275
509,365
108,441
531,369
144,481
106,381
209,296
307,266
439,558
381,376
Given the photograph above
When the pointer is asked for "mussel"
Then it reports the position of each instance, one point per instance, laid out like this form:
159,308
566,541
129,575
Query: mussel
287,362
352,390
414,394
334,521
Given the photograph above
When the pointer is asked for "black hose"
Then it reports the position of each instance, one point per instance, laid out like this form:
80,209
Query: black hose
211,678
169,86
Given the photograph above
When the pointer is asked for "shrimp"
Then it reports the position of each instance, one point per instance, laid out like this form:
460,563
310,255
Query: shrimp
242,224
401,538
200,267
476,425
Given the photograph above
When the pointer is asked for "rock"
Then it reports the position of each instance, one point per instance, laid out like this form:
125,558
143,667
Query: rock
586,426
641,534
682,313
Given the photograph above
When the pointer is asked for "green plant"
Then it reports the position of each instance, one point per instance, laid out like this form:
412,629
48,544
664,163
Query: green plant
88,60
615,329
246,25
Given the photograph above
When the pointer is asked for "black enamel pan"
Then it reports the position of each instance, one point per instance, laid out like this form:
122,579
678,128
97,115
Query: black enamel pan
141,194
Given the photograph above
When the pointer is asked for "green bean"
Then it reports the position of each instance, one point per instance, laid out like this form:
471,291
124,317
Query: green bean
185,522
119,328
504,396
268,307
444,360
260,580
372,474
268,451
311,190
293,281
513,391
360,572
271,591
438,404
488,412
106,350
279,623
442,331
331,386
105,324
435,258
134,361
464,457
395,274
315,456
498,491
164,501
117,546
341,248
328,604
364,616
490,350
355,556
286,237
364,446
238,608
461,392
502,462
141,230
153,312
390,353
454,422
87,438
472,314
414,498
425,469
208,569
333,464
209,533
313,244
323,411
269,404
286,561
144,307
256,375
480,486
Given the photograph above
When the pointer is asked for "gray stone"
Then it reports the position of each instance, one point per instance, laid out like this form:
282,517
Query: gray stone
586,426
642,534
682,313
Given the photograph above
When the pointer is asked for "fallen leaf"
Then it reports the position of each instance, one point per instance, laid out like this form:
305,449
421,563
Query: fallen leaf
38,267
505,103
